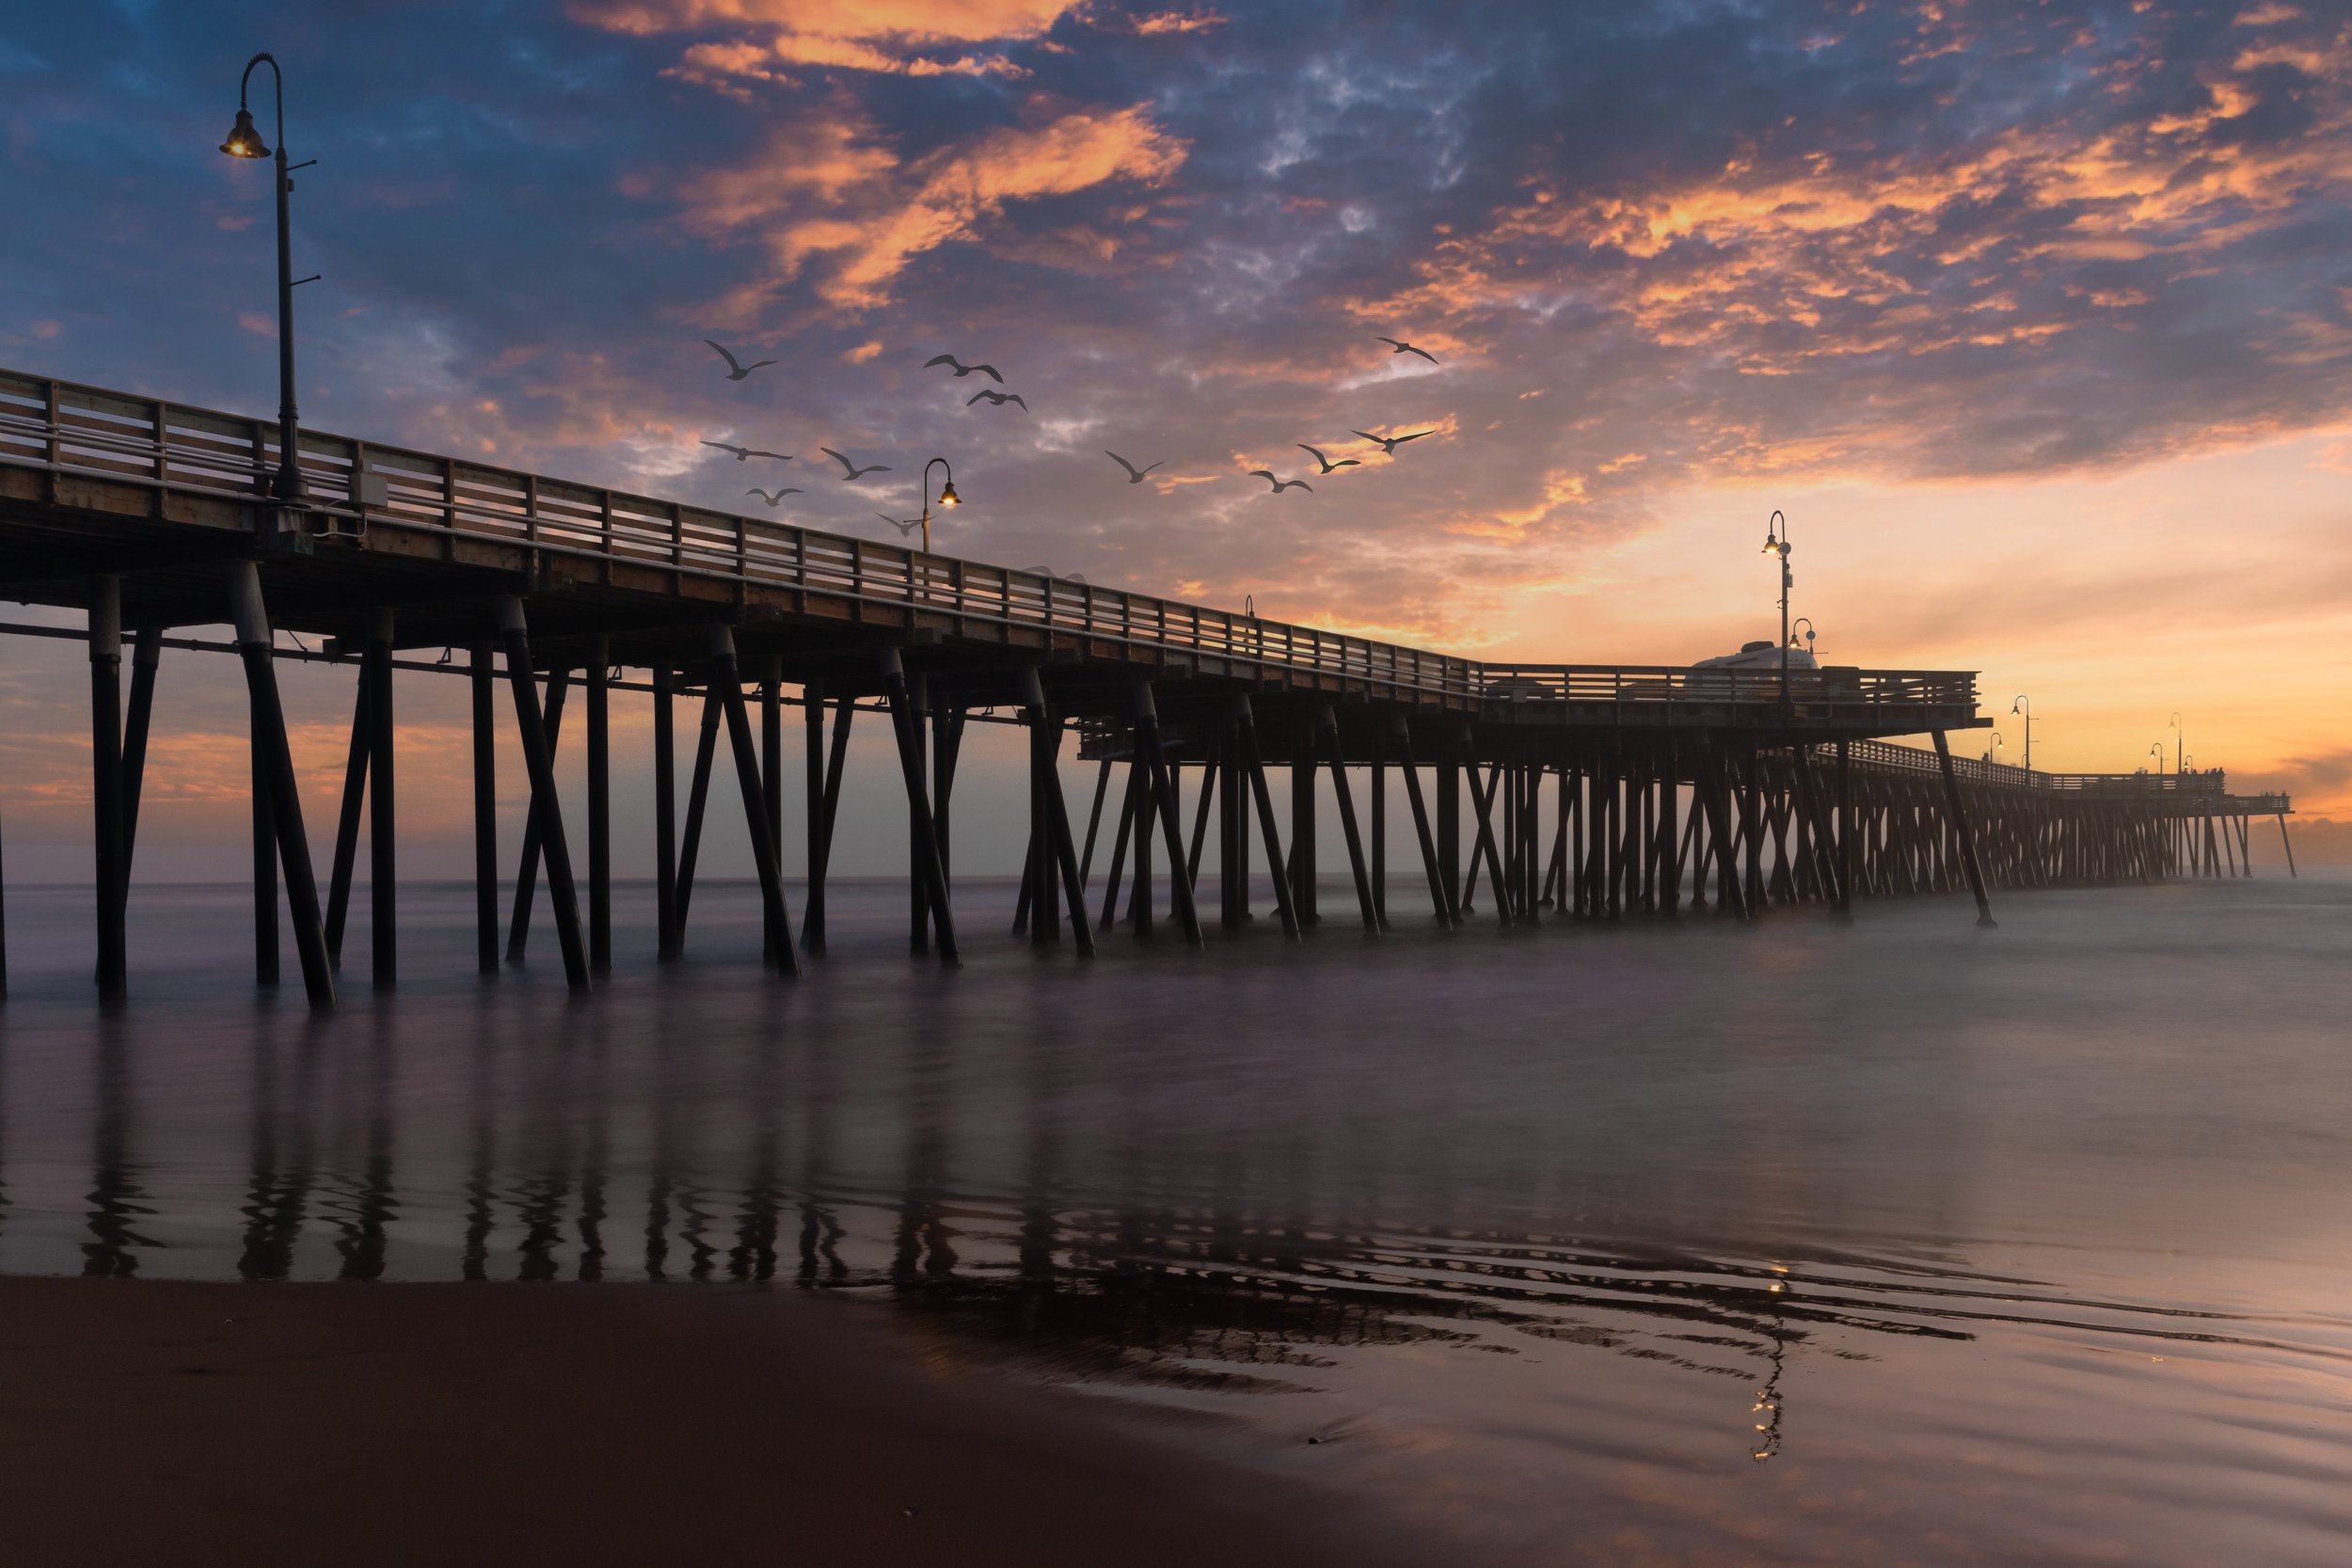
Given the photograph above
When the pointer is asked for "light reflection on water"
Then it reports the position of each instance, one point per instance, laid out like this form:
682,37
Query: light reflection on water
2023,1245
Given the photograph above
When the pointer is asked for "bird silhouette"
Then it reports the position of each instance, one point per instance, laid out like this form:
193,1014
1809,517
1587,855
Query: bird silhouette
772,500
1397,347
1388,444
999,398
904,525
737,370
1281,484
853,470
741,452
1327,464
1135,475
962,368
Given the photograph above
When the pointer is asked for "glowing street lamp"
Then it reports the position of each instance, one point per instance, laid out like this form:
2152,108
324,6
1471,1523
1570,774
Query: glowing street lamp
2025,705
245,141
1776,542
1993,747
948,497
2155,750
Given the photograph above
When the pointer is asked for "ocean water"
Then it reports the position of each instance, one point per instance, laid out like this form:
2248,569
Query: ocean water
1656,1244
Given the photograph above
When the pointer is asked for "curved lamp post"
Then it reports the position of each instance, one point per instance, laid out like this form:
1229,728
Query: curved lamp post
2025,705
1806,621
948,497
2180,739
1776,542
245,142
1992,747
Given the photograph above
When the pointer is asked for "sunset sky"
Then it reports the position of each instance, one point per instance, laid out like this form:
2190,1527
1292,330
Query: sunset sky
2036,319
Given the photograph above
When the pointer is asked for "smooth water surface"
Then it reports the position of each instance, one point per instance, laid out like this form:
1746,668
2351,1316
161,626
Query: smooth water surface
1903,1242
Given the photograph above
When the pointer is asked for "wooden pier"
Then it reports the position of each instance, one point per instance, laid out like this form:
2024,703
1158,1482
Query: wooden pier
1582,790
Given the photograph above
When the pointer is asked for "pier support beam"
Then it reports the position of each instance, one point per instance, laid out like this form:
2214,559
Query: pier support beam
771,778
824,802
1054,828
922,847
697,801
1440,891
483,679
1162,794
1714,795
596,681
527,870
546,811
1845,830
147,652
813,787
1303,871
1253,762
1329,725
1961,829
105,717
383,859
283,794
665,812
347,819
727,679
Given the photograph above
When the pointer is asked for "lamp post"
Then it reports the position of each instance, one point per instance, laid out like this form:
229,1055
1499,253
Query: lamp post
1806,621
2180,739
1776,542
245,142
1992,746
2025,705
2155,750
948,497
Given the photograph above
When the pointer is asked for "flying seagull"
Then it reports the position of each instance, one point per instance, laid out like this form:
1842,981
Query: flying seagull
1281,484
1327,464
1396,347
775,499
1135,475
741,452
962,369
737,370
855,472
904,525
1388,444
999,398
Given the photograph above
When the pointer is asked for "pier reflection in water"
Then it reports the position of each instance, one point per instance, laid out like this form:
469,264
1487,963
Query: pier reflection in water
2029,1244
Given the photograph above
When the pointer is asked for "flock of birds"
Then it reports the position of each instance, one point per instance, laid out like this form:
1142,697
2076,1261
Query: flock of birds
852,472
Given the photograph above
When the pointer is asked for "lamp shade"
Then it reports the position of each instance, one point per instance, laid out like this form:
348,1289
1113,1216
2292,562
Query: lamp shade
244,140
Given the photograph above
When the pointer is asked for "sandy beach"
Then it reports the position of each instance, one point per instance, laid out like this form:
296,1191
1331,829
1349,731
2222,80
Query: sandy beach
202,1423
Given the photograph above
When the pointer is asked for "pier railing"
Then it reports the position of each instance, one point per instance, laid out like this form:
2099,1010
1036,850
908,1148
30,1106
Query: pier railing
2194,784
69,431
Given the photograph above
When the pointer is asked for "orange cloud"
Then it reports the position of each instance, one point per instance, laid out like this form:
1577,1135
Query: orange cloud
917,21
829,192
882,36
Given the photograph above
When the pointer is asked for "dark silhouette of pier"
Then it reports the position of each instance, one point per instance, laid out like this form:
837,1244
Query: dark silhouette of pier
1579,790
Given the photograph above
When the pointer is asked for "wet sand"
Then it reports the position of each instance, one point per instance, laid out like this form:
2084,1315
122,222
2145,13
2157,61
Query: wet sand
201,1422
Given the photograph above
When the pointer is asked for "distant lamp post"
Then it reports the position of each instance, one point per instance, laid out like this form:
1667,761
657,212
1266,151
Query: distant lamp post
2180,739
2025,705
2155,750
1776,542
1806,621
1992,747
948,497
245,142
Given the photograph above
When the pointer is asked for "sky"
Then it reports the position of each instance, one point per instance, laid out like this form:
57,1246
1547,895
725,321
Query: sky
2034,319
